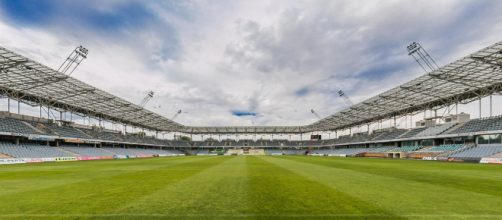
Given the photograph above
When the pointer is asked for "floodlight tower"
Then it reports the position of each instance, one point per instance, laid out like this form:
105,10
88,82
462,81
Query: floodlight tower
176,115
147,98
423,58
315,113
71,63
345,98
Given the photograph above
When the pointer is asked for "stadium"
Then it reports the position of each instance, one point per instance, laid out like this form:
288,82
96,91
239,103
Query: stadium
71,148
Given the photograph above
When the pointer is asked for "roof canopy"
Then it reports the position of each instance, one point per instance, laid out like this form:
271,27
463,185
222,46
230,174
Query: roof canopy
474,76
24,79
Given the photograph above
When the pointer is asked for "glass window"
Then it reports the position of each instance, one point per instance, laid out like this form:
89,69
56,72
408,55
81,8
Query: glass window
483,139
495,139
427,142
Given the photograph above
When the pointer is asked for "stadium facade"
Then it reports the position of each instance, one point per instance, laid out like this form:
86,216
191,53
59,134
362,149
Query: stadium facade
453,136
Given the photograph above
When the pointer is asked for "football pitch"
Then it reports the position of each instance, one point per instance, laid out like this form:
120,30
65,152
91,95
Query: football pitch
251,187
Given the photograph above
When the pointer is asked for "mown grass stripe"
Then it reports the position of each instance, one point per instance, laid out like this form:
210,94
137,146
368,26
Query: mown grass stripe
243,187
101,194
399,196
277,191
15,181
419,172
220,189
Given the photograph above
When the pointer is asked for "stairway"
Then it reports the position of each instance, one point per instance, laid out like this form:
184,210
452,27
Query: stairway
33,127
5,156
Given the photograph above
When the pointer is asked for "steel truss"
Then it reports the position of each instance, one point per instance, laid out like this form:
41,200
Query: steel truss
467,79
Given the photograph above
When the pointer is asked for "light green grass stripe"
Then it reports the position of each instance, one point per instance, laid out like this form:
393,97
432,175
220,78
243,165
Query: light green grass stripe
244,215
453,175
59,174
279,191
220,189
101,194
399,196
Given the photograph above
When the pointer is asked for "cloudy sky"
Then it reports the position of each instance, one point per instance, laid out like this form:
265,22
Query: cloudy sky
247,62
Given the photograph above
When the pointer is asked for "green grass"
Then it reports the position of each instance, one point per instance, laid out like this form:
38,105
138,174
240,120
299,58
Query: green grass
251,187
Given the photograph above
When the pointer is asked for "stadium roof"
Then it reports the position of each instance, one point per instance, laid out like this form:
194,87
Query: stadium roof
24,79
474,76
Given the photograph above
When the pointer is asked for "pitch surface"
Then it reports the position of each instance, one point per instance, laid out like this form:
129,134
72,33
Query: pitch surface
251,187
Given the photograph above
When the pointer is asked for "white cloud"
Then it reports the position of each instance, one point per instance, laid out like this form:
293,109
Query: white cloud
210,58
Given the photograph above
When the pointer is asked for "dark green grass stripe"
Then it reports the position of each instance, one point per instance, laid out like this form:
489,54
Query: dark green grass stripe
218,190
278,191
401,196
102,194
492,187
57,174
244,216
36,170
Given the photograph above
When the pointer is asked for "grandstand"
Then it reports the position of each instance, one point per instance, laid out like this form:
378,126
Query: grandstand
453,136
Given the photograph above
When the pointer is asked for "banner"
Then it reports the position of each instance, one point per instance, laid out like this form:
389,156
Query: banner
88,158
41,137
12,160
73,140
61,159
429,158
120,156
337,155
491,160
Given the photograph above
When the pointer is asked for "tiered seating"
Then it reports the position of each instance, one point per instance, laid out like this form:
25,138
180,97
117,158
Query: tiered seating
405,149
389,135
15,126
348,151
140,151
133,138
285,152
31,151
66,131
478,152
293,152
435,130
203,152
343,139
443,148
359,137
87,151
122,151
412,132
380,149
108,136
312,143
42,127
483,124
180,144
273,151
286,143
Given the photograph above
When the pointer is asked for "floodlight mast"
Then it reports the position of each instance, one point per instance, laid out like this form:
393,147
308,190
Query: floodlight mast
315,113
345,98
147,98
421,56
74,59
177,114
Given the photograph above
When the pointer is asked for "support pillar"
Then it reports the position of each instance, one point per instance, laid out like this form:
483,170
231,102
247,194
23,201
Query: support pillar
491,110
480,107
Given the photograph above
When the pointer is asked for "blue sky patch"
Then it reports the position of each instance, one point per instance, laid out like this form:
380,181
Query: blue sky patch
244,113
